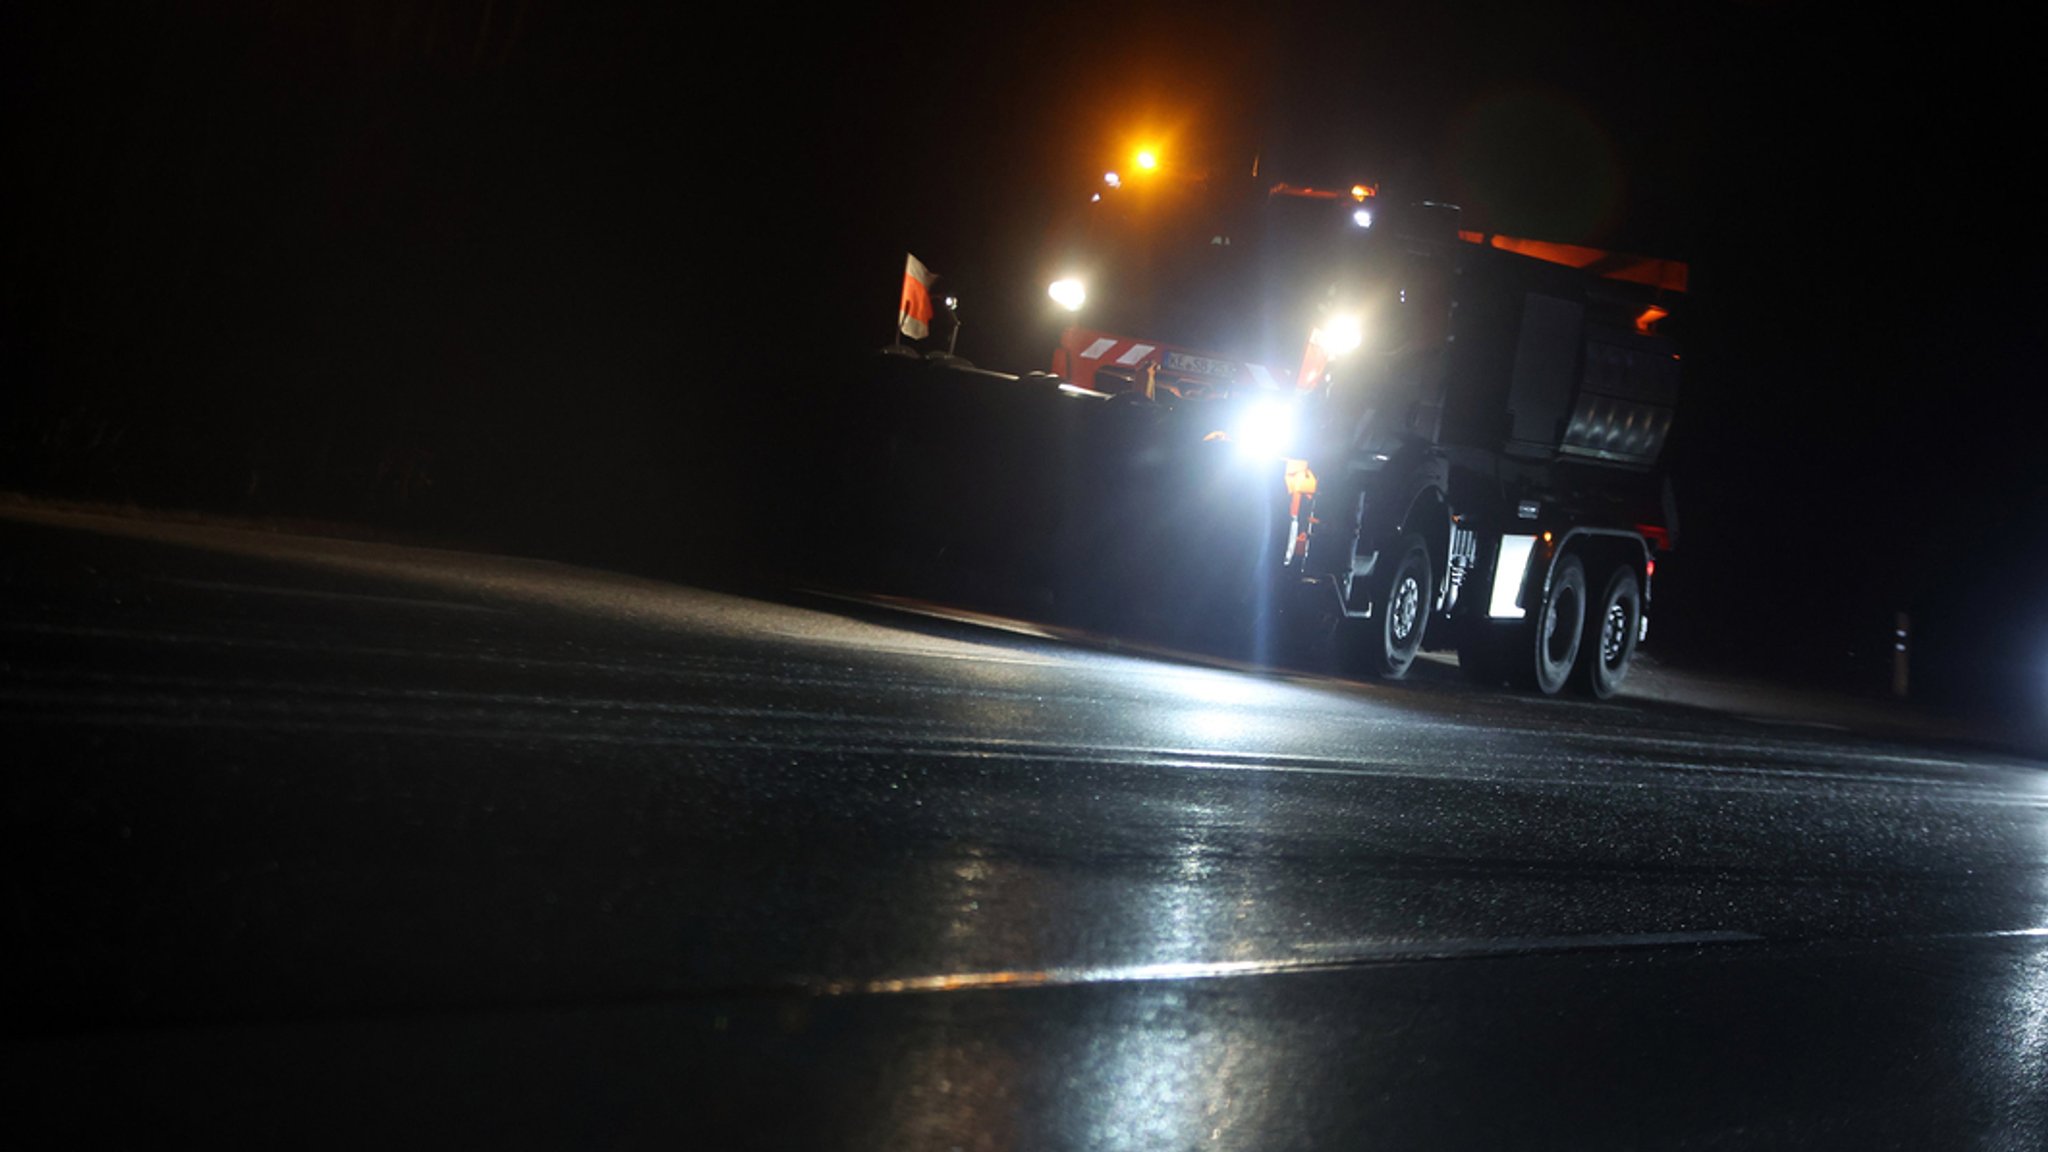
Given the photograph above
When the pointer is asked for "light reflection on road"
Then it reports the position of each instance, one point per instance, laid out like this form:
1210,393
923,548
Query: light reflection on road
1170,1080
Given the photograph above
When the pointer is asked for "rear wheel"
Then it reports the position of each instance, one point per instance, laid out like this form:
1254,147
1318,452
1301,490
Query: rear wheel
1610,640
1560,626
1400,614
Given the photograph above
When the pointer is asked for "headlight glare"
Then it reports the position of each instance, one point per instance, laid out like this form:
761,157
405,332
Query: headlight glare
1339,334
1265,429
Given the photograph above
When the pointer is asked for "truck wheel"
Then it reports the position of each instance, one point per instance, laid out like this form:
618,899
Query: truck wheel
1610,640
1400,615
1560,626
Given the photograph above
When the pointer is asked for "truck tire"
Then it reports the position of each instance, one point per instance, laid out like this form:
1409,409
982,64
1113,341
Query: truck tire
1560,627
1400,615
1610,640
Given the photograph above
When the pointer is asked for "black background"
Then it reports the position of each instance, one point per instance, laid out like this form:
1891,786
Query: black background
571,277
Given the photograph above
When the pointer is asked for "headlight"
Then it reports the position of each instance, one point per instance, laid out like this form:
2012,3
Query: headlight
1340,333
1266,428
1068,293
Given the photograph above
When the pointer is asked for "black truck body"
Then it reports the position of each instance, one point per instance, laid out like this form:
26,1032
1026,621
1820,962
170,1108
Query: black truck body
1490,485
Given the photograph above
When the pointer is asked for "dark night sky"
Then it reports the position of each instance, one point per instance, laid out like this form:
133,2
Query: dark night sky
589,249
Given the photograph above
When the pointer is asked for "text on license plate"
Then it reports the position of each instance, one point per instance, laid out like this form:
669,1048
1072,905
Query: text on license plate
1199,365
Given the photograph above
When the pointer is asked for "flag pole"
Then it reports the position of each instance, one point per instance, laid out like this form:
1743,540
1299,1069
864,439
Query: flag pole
897,336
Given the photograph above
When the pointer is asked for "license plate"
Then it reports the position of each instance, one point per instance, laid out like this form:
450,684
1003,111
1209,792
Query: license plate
1200,366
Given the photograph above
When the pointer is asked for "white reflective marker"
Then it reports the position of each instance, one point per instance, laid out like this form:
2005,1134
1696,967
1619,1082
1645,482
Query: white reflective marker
1510,568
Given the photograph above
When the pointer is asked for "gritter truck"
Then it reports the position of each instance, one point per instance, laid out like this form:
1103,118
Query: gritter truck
1321,421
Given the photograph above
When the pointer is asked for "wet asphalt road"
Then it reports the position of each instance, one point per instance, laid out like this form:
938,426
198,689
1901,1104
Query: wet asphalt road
323,843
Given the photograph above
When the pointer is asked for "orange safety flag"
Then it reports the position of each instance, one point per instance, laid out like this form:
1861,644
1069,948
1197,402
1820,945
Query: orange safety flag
1314,362
914,318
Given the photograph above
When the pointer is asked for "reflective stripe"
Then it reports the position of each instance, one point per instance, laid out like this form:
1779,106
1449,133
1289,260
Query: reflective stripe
1138,352
1094,351
1510,568
1261,377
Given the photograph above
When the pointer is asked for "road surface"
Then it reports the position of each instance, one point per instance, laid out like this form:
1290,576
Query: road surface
324,843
